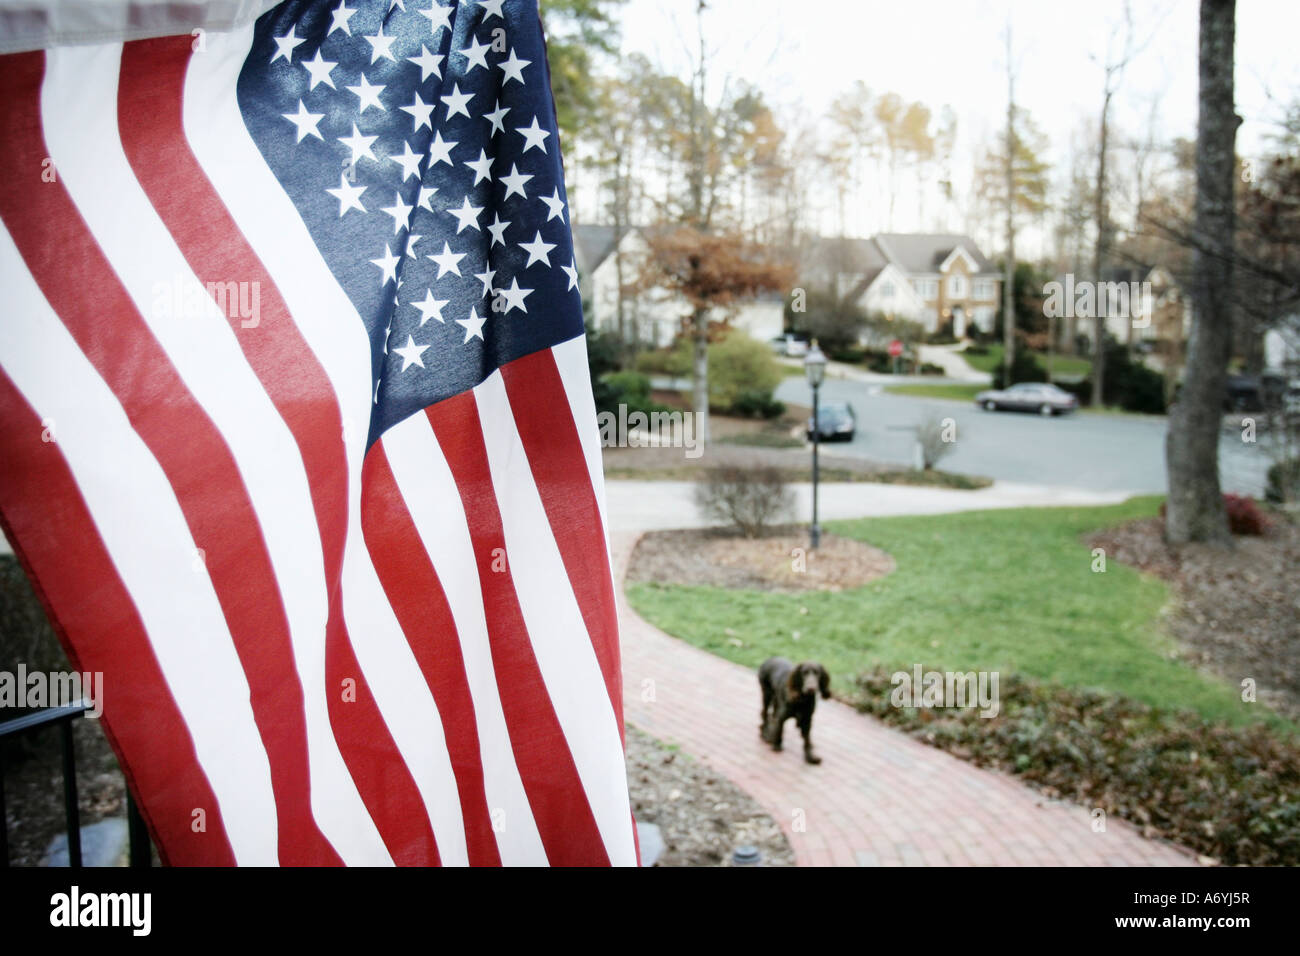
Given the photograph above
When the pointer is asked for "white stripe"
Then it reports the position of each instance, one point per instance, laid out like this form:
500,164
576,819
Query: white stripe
575,373
556,627
144,531
203,349
434,504
334,332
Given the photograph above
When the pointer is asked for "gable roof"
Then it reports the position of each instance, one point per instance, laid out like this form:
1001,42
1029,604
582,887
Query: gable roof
839,254
919,252
592,245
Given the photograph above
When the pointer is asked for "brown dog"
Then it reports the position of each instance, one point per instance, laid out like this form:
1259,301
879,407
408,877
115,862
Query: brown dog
790,691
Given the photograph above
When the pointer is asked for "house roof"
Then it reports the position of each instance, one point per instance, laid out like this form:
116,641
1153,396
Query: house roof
592,245
917,252
843,254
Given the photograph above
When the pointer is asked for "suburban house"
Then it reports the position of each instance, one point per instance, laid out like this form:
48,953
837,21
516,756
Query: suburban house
1144,288
1282,347
652,317
931,278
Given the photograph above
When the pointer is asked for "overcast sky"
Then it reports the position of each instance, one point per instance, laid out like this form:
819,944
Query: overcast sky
804,52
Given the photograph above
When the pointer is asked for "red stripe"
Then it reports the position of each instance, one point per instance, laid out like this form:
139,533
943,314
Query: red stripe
554,450
55,538
50,233
550,777
153,137
418,600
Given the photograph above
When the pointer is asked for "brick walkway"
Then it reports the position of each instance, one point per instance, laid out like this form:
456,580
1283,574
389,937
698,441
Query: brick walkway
879,798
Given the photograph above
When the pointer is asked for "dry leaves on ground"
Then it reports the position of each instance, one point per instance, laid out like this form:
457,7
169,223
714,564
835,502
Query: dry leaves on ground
780,562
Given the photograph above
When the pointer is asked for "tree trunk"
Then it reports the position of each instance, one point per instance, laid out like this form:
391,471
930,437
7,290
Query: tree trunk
1099,260
701,370
1195,507
1009,282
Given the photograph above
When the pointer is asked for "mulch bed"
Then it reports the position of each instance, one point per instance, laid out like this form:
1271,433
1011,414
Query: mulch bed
723,559
1237,611
701,814
1227,793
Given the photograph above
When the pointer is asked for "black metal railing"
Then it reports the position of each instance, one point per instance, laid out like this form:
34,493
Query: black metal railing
137,833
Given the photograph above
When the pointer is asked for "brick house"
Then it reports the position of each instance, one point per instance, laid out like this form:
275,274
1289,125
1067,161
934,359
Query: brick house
931,278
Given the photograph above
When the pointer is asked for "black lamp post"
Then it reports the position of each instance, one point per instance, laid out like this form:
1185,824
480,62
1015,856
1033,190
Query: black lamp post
814,366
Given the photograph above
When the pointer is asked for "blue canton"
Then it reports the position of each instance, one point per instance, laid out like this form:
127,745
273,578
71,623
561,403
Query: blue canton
418,142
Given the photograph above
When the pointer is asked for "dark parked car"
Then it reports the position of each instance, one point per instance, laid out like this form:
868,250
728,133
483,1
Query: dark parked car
1250,393
835,421
1028,397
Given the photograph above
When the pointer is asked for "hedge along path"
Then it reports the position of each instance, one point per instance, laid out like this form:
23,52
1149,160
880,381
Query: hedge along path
879,798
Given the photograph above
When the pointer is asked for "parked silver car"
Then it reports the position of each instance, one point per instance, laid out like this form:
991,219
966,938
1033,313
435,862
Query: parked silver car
1038,397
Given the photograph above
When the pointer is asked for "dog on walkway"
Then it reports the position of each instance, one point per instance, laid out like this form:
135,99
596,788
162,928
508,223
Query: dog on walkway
791,691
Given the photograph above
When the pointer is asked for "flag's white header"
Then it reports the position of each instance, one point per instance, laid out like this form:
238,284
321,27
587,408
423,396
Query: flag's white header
37,24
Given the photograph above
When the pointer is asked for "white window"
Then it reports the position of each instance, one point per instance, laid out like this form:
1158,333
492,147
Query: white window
983,289
887,290
957,287
927,288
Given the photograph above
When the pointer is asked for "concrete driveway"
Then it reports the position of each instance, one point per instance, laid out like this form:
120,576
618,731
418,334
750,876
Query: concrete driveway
1098,452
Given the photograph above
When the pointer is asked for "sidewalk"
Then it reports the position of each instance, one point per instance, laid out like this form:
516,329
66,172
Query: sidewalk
879,798
645,505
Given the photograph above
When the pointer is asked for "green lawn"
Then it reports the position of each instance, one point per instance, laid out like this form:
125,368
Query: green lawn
996,590
1067,365
959,393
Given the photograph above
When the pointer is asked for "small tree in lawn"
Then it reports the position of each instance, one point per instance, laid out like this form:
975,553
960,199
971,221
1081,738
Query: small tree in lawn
712,271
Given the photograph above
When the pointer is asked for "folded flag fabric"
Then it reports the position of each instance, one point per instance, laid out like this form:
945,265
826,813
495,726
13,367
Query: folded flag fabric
299,442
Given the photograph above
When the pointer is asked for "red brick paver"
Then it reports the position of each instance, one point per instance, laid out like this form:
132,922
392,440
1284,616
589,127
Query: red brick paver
879,798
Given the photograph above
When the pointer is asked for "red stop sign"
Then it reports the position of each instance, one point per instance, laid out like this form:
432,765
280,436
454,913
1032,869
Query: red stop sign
895,348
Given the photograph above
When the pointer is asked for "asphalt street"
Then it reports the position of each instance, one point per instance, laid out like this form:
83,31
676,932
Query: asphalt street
1098,452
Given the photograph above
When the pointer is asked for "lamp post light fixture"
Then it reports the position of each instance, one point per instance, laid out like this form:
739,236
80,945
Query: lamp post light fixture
814,366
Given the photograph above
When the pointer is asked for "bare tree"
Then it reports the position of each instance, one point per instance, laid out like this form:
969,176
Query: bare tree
1009,170
1113,70
1195,509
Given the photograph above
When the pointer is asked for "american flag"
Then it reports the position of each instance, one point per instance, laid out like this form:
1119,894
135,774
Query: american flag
299,441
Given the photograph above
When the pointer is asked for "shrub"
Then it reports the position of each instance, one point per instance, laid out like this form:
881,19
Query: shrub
675,361
1244,516
878,360
930,435
758,404
633,388
929,368
1024,368
1129,385
835,324
626,388
602,358
850,354
740,364
751,499
1283,481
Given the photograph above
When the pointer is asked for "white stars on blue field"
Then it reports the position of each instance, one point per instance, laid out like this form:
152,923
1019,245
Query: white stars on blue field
417,140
